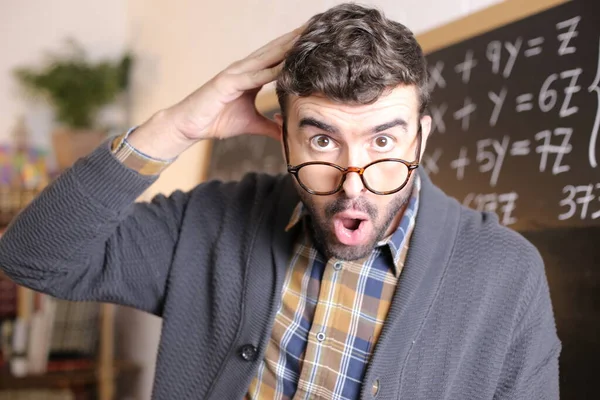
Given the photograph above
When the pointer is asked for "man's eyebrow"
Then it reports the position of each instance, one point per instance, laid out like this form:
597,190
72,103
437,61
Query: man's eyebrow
308,121
397,122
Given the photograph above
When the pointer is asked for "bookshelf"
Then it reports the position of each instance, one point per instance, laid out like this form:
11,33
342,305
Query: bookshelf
101,373
78,377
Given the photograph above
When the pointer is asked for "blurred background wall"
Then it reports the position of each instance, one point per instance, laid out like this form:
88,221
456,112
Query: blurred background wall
32,28
177,44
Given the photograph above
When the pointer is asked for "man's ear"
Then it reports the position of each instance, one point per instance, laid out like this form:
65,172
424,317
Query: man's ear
425,130
279,120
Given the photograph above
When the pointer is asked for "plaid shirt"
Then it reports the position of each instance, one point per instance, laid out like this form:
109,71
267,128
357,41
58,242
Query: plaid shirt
330,317
135,159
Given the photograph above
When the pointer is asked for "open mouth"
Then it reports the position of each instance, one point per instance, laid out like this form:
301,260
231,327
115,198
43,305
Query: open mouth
352,230
352,223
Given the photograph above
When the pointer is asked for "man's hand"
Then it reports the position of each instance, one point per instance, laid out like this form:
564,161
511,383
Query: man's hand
223,107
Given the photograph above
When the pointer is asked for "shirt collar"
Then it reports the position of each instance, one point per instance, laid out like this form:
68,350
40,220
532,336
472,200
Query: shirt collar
397,242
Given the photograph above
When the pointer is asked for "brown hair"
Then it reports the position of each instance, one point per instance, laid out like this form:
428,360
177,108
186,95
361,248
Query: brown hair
352,54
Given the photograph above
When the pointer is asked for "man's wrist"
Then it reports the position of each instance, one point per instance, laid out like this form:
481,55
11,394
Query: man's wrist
151,147
136,160
157,138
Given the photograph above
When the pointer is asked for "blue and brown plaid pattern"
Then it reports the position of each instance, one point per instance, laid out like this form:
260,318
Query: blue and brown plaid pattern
330,317
134,159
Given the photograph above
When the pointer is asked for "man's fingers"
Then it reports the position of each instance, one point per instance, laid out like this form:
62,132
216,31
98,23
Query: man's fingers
268,55
285,38
256,79
269,58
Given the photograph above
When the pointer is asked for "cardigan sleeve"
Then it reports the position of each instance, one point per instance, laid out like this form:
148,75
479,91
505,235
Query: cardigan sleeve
85,238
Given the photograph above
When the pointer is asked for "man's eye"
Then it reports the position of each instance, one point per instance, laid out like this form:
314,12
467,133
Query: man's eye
383,143
322,142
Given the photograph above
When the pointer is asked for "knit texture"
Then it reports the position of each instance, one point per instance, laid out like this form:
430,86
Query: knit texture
471,317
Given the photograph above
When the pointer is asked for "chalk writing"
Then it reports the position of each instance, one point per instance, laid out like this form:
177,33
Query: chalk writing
460,163
594,136
490,155
494,55
504,204
524,102
437,118
579,198
464,114
430,161
498,100
535,46
566,37
465,67
518,114
435,76
559,150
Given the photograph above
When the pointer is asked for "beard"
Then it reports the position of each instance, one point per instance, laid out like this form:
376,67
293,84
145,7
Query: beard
321,224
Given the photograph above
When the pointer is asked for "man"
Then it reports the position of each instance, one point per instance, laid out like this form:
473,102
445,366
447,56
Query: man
351,277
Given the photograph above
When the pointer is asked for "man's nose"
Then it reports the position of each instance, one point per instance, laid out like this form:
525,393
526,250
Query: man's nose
353,186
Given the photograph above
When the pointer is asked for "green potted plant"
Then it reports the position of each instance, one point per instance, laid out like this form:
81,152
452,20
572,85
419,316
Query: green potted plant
77,89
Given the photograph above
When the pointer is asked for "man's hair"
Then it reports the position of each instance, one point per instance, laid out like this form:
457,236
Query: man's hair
352,54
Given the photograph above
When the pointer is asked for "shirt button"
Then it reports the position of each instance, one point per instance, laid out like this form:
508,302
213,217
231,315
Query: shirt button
375,387
337,266
321,336
248,352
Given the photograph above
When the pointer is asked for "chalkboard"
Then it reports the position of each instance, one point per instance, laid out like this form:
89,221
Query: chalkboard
516,114
571,257
516,117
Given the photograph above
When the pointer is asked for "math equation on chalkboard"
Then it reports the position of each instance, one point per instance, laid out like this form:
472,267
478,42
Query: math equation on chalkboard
515,119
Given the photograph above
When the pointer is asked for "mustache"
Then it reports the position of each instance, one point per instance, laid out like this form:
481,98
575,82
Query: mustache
343,204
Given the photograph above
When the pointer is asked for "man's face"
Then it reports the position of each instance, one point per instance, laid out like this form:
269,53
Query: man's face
348,224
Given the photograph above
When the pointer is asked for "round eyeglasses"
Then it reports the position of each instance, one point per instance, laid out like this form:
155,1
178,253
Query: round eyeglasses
385,176
382,177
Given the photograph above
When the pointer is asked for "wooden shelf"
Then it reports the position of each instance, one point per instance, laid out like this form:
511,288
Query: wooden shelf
63,379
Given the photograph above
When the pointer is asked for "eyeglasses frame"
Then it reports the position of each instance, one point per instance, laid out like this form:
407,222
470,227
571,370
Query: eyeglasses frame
411,165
